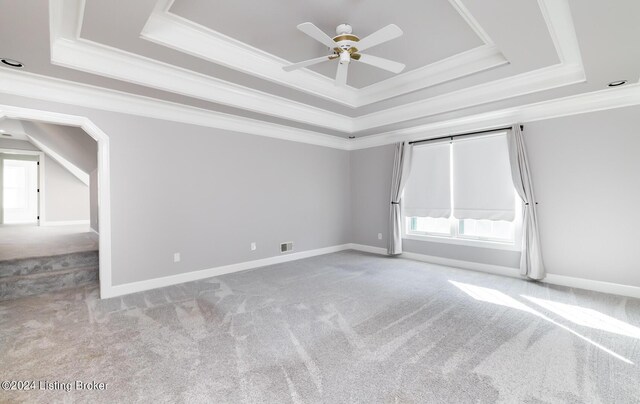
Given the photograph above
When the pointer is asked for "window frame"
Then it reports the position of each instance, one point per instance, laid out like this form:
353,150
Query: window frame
454,236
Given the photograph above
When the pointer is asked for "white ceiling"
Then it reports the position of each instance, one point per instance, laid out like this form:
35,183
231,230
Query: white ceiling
462,56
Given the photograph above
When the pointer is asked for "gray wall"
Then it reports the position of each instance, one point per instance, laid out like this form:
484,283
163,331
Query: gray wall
66,197
209,193
585,171
72,143
75,146
93,200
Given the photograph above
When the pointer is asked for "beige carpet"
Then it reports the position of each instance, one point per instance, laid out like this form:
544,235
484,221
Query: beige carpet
341,328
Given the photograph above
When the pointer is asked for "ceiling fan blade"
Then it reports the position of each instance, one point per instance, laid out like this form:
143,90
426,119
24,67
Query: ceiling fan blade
317,34
381,63
307,63
341,75
382,35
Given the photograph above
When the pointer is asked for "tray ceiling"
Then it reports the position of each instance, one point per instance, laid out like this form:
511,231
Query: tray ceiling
462,56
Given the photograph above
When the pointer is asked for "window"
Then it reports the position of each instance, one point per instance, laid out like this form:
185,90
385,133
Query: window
461,192
19,191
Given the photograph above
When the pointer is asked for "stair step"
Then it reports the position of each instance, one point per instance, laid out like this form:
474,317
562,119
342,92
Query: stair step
12,287
53,263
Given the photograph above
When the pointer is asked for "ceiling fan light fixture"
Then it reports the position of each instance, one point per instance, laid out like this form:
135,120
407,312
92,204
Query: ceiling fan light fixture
346,47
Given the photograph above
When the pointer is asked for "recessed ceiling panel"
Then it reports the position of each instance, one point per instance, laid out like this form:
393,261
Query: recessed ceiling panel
433,29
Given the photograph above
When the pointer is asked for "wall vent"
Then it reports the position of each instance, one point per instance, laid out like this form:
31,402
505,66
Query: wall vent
286,247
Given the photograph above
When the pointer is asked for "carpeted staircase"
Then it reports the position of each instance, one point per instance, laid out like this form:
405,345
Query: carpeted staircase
32,276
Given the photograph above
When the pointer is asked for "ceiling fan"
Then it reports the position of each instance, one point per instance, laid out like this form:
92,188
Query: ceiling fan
347,47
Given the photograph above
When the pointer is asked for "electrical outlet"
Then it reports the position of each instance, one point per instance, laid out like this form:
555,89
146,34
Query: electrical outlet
253,246
379,236
176,257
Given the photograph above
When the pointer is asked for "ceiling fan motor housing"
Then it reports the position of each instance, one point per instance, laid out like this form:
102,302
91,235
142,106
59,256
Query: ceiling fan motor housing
345,40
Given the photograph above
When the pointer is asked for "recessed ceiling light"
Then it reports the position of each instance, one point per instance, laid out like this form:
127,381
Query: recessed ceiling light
12,63
617,83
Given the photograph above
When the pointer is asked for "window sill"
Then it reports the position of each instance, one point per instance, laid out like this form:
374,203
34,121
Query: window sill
495,245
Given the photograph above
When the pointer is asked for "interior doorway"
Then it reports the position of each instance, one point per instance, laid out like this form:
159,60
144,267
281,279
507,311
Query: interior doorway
48,197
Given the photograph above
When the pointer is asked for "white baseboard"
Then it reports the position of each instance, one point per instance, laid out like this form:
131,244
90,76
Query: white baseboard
580,283
127,288
65,223
553,279
589,284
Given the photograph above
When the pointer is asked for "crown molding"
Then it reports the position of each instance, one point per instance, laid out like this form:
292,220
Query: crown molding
560,107
91,57
522,84
83,95
178,33
464,64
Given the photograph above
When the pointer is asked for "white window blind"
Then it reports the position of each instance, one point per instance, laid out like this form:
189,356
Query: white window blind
482,186
428,190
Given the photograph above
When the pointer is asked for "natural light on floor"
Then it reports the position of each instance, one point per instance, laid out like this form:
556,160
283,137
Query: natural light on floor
587,317
496,297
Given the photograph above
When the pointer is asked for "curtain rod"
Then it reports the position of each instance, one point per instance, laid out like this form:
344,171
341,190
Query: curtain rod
463,134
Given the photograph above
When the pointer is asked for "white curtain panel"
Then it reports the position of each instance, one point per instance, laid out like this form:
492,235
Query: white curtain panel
401,169
428,189
482,186
531,264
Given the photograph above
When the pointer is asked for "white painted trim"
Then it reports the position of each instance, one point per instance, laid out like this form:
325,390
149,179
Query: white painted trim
104,174
73,169
65,223
127,288
572,105
547,78
464,64
590,284
552,279
66,92
471,21
91,57
50,89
